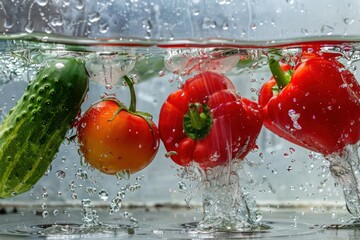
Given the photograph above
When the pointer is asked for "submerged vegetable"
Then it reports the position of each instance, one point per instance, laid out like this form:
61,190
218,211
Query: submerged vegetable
316,105
34,129
114,138
208,123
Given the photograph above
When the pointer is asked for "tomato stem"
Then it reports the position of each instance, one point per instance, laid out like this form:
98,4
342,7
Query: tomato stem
282,79
130,83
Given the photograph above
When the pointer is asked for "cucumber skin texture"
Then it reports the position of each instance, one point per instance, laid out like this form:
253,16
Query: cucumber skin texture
35,127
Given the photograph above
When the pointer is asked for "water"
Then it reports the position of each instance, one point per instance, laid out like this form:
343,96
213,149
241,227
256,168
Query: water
228,202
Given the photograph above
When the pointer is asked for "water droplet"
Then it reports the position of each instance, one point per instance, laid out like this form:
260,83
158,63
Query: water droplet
90,190
45,195
304,31
72,186
103,27
94,17
103,194
133,221
85,202
45,214
349,21
182,186
223,2
8,23
294,117
47,30
59,65
42,3
208,23
196,11
74,196
225,26
56,21
161,73
66,2
29,27
60,174
79,4
158,232
327,29
81,174
55,212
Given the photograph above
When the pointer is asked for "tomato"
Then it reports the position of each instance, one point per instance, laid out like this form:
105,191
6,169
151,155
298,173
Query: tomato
113,138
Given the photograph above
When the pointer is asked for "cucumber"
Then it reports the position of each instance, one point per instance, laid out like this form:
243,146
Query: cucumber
35,127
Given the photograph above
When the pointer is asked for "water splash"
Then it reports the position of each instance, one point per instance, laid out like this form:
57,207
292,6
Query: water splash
108,68
227,203
185,62
345,168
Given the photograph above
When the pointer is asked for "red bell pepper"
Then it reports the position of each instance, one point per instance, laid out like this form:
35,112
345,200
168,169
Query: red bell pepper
207,122
315,105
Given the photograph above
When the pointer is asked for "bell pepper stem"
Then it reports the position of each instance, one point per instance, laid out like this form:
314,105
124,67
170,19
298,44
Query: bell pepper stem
130,83
279,75
198,119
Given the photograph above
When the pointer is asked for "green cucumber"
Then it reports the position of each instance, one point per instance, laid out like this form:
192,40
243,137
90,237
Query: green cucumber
32,132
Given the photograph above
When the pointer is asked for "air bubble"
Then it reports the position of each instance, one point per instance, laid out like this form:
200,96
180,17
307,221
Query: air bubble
55,212
81,174
42,3
161,73
59,65
94,17
60,174
349,21
45,214
124,174
326,29
45,195
182,186
103,194
8,23
103,27
74,196
225,26
208,23
80,4
56,21
196,12
90,190
29,27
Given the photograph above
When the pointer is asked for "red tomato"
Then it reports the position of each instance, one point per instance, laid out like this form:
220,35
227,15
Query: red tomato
114,139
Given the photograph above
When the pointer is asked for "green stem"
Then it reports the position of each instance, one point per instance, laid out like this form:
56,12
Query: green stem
198,120
130,83
282,79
